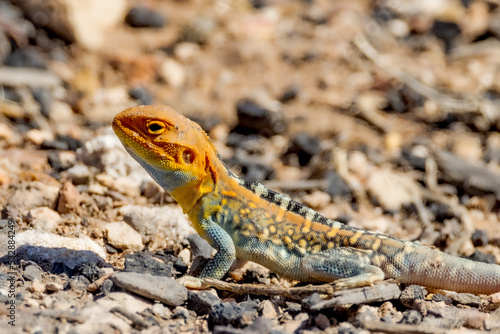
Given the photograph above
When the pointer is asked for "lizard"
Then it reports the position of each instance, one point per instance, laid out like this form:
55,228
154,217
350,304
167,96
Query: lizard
244,220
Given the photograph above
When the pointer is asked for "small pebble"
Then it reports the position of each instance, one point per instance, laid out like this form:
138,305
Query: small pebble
91,271
253,118
32,273
311,300
483,257
141,94
54,145
322,321
44,218
479,238
185,255
181,312
172,72
78,283
44,97
53,287
39,136
27,57
160,288
147,264
198,31
79,174
69,198
122,236
161,311
305,146
202,302
411,317
37,286
337,187
268,310
143,17
61,160
290,93
412,293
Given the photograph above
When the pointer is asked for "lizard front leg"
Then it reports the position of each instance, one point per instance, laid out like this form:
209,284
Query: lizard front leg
347,267
220,263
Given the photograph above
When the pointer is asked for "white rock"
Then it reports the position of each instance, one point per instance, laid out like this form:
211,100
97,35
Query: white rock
172,72
122,236
61,113
87,22
44,218
34,194
159,226
185,255
38,136
123,185
99,319
46,249
37,286
186,51
53,287
79,174
49,240
161,311
317,199
392,189
10,136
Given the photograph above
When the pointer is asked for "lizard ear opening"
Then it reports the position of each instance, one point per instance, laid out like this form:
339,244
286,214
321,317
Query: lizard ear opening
210,170
210,181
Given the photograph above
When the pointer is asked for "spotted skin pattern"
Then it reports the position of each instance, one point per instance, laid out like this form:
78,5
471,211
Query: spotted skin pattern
245,220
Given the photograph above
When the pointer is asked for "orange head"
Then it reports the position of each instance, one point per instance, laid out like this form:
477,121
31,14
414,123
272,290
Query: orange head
174,150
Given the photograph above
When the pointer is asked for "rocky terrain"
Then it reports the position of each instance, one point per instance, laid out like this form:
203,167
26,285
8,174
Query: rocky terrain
384,115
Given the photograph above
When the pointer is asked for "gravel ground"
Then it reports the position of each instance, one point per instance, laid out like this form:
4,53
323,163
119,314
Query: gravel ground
381,114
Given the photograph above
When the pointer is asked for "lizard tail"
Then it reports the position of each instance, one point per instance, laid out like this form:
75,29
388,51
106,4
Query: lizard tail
435,269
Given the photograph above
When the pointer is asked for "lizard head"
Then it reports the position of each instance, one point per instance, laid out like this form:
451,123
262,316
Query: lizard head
174,150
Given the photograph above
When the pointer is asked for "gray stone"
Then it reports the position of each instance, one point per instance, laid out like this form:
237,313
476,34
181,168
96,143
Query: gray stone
199,246
159,227
79,174
147,264
32,195
164,289
412,317
412,293
78,283
237,315
202,302
161,311
32,272
493,321
181,313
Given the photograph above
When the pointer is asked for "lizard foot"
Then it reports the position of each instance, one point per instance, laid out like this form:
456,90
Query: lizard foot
192,282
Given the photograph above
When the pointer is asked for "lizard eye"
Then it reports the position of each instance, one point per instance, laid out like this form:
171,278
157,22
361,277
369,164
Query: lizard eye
155,127
188,156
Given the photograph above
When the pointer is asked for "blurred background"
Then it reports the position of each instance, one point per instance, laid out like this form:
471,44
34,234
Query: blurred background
381,114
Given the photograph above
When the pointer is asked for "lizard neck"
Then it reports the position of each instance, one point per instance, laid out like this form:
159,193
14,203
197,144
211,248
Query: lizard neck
190,195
